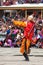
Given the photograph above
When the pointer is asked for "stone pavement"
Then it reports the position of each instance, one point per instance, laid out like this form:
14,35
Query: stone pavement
12,56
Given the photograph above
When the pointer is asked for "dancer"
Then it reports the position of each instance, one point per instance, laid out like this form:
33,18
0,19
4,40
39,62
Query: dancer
28,34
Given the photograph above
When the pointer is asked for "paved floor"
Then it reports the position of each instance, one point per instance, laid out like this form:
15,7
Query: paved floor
12,56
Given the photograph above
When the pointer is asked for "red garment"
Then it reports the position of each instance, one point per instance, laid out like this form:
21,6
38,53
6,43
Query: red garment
27,30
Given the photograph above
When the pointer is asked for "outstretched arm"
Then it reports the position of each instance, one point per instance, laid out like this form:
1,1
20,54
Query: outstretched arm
19,23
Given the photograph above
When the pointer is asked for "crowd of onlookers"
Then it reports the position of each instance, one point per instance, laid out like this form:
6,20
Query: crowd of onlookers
14,2
11,35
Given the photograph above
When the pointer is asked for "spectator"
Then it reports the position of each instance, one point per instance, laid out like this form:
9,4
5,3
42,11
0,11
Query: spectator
41,1
38,1
15,2
21,1
33,1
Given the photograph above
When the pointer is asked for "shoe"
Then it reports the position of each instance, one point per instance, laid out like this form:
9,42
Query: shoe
26,57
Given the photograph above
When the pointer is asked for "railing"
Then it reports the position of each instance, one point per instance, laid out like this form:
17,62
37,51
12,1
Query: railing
23,6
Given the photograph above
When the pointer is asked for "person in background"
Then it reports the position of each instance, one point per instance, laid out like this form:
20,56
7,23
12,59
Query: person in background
27,1
15,2
0,2
11,2
41,1
4,18
38,1
21,1
41,36
33,1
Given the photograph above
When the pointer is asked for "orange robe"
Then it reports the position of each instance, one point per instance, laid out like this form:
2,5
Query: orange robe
28,37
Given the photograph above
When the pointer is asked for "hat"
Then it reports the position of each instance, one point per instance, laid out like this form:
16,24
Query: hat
30,17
